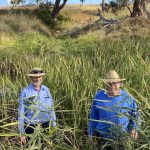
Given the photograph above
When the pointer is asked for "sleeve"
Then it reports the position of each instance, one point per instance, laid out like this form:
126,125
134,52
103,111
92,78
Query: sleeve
134,122
52,112
21,112
94,115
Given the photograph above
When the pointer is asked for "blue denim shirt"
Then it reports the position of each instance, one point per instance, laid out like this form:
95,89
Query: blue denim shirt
35,107
111,115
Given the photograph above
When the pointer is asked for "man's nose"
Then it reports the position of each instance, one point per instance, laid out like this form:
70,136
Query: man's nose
37,79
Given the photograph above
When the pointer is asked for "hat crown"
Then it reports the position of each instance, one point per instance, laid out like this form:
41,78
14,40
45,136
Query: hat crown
112,74
36,72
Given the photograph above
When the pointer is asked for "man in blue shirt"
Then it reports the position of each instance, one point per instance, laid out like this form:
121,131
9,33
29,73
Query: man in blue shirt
113,111
35,105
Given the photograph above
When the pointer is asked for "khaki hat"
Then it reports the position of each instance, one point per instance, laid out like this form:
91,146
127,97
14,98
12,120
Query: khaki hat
112,76
36,72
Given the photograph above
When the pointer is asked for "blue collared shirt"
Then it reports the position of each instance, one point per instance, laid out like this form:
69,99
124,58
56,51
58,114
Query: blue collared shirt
35,107
109,115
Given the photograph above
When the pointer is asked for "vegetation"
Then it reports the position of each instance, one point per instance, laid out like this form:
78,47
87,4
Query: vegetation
74,67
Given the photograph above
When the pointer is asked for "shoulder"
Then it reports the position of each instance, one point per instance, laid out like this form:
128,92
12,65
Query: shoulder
25,89
45,88
124,93
127,95
100,92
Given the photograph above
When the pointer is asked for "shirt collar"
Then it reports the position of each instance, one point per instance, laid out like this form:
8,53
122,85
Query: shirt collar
32,86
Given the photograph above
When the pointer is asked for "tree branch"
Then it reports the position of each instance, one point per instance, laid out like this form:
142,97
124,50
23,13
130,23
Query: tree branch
63,4
129,9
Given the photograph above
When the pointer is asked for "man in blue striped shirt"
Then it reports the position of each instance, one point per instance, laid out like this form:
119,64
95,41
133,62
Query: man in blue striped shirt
113,111
35,105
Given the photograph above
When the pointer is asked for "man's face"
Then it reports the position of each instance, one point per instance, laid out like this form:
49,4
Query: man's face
113,87
37,81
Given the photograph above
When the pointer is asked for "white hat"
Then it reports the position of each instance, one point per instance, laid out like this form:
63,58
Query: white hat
112,76
36,72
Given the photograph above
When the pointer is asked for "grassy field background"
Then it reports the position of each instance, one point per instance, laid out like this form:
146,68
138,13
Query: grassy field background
74,67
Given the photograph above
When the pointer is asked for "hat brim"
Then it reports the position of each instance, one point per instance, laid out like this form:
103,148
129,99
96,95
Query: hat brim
112,80
36,75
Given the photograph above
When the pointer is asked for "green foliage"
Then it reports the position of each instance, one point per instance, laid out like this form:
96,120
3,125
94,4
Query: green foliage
122,2
45,14
16,2
74,68
36,44
118,3
113,4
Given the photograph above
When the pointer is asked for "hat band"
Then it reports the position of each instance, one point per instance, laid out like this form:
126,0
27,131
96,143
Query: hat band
36,72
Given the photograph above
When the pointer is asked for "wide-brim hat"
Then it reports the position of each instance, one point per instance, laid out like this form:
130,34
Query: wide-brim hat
112,76
36,72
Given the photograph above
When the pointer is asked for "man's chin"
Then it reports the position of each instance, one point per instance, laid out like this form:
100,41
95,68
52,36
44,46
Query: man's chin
37,84
115,90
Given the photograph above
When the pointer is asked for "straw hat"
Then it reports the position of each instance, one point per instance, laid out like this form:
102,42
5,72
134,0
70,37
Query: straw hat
112,76
36,72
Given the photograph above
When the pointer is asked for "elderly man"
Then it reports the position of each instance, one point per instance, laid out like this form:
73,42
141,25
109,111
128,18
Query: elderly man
114,111
35,105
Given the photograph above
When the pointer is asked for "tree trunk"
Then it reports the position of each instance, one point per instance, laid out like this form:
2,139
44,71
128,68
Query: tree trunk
139,8
136,9
103,5
143,4
57,7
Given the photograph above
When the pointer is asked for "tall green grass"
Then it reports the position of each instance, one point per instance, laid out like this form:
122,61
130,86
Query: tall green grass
73,69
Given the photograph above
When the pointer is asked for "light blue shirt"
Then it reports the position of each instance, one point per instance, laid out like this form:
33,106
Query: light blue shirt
111,115
35,107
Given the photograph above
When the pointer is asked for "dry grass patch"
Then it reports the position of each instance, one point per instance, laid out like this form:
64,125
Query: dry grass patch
21,24
79,15
148,7
6,40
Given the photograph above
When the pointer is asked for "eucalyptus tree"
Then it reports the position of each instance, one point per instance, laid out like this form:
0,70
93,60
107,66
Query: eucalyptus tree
58,5
16,2
139,8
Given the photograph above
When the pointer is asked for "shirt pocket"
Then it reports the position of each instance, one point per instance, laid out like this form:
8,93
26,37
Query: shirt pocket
44,101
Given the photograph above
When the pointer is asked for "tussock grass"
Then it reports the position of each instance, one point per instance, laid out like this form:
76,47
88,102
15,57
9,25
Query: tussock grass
12,23
5,38
73,77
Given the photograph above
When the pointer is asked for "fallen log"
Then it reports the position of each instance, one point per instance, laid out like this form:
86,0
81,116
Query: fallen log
100,23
